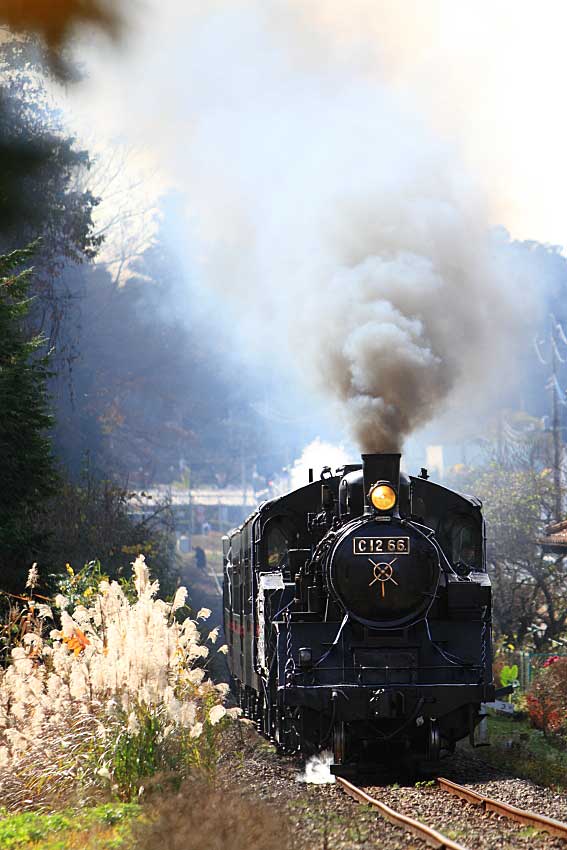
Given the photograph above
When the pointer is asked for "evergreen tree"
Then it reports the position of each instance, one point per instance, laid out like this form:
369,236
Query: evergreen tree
27,473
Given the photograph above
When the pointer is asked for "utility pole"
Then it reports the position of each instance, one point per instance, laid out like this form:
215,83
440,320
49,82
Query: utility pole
500,439
556,426
558,401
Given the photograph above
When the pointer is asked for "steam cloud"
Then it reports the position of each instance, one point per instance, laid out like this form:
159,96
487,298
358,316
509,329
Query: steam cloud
331,219
318,770
315,456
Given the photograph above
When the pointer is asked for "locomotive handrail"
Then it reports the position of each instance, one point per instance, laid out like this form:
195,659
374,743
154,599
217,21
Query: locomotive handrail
334,643
392,685
357,670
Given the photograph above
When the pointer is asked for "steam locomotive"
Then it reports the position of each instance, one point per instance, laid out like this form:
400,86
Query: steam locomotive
357,610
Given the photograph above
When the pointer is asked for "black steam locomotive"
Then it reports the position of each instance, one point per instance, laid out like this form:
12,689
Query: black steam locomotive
357,610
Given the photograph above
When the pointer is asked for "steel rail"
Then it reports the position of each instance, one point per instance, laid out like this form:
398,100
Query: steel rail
540,822
420,830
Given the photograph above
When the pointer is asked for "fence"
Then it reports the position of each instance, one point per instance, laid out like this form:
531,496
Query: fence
528,663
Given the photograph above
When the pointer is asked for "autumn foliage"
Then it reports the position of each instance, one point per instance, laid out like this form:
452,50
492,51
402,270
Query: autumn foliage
547,698
55,21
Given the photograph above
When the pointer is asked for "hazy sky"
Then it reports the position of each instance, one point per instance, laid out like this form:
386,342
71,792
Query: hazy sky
490,76
316,141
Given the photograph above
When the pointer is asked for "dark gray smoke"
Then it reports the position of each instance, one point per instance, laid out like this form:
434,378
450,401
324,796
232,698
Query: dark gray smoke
417,324
330,219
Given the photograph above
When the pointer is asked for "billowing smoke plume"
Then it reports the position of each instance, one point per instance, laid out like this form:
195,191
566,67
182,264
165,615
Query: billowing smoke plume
331,220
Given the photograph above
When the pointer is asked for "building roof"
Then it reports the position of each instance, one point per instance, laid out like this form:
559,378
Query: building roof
229,497
554,536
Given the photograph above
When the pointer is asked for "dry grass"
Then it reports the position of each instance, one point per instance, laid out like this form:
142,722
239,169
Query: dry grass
200,817
55,770
117,694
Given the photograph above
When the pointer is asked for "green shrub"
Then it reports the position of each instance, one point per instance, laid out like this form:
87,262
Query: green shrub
140,748
509,675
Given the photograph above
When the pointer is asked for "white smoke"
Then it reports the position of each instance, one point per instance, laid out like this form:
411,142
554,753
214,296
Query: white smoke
335,225
315,456
317,769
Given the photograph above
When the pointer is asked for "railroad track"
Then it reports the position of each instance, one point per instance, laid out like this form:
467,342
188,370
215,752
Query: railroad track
420,830
435,838
539,822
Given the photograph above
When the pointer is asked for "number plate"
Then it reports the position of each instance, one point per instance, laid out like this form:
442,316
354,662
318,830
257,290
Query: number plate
381,546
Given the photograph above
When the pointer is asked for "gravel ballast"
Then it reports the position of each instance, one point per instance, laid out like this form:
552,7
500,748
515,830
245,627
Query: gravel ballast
463,822
323,816
487,780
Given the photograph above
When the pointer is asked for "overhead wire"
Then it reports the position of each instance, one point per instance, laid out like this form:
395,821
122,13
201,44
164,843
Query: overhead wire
540,356
561,332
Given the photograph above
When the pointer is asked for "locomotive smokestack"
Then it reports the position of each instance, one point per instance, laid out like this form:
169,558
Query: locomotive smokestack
380,467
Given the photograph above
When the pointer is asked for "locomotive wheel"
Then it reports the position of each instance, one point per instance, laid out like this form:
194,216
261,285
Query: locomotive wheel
286,736
339,742
294,730
259,716
433,741
310,736
266,721
280,731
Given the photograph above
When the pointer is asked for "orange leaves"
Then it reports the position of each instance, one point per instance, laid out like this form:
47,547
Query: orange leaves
77,642
54,21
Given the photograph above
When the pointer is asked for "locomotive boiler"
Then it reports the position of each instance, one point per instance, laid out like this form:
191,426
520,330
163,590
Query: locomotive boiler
357,610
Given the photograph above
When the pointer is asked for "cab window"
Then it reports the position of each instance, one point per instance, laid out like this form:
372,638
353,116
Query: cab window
465,542
279,536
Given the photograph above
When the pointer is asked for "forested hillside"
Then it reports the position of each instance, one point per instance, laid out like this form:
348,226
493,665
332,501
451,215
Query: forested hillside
132,393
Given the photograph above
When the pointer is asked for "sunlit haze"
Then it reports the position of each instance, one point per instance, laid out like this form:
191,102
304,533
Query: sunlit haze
488,76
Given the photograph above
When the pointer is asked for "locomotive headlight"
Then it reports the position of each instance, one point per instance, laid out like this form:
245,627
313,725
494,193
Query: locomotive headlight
383,497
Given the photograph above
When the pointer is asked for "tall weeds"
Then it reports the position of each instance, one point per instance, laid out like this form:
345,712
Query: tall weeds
114,695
